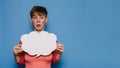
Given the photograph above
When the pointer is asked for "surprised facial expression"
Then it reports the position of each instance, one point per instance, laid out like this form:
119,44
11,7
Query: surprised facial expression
39,20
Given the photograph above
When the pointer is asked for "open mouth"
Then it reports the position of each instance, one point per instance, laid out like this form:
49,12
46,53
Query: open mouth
38,25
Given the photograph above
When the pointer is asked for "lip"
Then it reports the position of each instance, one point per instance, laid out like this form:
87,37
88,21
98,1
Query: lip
38,25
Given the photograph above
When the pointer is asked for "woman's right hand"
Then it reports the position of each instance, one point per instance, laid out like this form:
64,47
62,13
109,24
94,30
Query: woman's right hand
17,49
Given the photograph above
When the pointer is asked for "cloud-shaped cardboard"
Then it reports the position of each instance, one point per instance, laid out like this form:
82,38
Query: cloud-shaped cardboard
39,43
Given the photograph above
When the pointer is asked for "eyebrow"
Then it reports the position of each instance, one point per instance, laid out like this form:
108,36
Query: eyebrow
40,14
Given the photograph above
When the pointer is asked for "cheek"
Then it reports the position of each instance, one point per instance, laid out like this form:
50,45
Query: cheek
33,22
43,22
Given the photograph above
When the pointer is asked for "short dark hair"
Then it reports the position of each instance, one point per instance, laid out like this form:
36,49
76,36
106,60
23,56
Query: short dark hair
39,9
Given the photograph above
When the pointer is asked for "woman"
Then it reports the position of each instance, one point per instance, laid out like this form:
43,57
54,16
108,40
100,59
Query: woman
39,19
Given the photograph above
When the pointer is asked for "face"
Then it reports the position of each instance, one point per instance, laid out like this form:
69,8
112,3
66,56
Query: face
39,20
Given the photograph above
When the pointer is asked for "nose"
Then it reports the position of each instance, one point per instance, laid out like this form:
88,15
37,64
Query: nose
38,20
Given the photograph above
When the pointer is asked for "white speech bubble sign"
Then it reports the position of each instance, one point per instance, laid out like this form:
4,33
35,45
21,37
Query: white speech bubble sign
39,43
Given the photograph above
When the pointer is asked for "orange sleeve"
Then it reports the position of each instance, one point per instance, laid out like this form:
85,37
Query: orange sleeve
22,60
54,53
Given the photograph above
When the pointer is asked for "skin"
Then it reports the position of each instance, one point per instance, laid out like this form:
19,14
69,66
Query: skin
38,20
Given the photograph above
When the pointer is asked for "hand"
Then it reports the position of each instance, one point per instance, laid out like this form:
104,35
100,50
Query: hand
17,49
60,47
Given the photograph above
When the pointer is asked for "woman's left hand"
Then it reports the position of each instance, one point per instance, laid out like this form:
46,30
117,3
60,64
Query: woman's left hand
60,47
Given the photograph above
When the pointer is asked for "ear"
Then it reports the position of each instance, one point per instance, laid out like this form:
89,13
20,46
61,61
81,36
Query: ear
31,21
46,20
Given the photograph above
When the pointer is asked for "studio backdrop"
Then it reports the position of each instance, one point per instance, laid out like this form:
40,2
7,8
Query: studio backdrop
89,30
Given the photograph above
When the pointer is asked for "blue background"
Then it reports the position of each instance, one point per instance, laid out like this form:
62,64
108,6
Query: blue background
89,30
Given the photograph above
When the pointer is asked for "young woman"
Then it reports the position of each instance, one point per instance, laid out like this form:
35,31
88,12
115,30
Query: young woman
39,19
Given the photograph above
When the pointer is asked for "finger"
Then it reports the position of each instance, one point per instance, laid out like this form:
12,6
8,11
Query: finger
19,51
60,47
60,50
17,47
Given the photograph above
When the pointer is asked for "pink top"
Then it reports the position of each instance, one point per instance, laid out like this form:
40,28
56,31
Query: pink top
38,62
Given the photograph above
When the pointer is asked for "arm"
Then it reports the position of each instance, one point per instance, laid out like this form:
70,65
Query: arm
57,53
18,54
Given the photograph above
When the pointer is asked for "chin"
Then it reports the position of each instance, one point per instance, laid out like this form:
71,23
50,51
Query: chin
38,29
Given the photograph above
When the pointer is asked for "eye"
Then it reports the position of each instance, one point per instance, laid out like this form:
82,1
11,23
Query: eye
34,17
41,17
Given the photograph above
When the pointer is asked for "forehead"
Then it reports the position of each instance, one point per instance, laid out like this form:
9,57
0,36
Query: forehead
38,14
